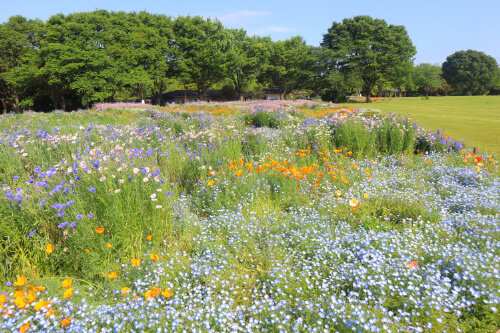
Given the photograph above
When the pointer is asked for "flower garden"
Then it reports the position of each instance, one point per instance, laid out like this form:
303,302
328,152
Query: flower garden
244,217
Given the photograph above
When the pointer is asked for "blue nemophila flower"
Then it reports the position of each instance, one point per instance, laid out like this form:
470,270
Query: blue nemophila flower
90,215
60,213
15,178
55,206
62,225
92,189
72,224
37,169
31,234
69,203
42,203
79,216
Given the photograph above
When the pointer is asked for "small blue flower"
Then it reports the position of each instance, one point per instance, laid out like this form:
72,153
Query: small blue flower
79,216
90,215
61,213
73,224
37,169
92,189
42,202
31,234
69,203
62,225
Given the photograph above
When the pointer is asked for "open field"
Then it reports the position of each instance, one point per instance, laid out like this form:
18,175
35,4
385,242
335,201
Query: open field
475,119
283,216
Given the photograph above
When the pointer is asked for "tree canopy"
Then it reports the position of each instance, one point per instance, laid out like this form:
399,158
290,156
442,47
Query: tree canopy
371,50
427,77
470,72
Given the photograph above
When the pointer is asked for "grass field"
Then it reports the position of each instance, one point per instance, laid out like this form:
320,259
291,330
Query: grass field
476,119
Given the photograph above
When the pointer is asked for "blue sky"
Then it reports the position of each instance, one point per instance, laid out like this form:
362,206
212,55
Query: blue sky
437,28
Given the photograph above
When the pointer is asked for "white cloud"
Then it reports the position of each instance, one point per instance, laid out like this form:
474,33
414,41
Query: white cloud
239,17
279,29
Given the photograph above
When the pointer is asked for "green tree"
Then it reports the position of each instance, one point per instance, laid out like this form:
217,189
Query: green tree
245,60
199,50
285,60
427,77
470,72
371,50
19,41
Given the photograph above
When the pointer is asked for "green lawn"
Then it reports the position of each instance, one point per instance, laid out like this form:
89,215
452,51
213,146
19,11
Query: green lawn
475,119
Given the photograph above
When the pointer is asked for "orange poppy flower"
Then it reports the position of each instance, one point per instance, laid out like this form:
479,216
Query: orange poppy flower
49,248
21,281
87,250
68,293
109,245
149,237
50,312
21,302
99,230
24,327
167,293
66,321
67,283
210,183
413,265
112,275
136,262
125,290
155,257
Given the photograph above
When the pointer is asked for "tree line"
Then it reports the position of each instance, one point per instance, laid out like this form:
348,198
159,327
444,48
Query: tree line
71,61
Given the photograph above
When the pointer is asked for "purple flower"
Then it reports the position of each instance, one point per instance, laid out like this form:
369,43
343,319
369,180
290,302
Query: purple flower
62,225
55,206
79,216
90,215
37,169
69,203
42,202
61,213
73,224
15,178
8,284
92,189
31,234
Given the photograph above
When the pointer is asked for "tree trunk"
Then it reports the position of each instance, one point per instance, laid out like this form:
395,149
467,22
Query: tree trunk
426,95
5,106
87,105
17,108
54,101
63,103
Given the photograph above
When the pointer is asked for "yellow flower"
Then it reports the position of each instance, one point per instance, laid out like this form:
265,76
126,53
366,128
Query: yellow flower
112,275
41,305
353,202
125,290
155,257
238,173
99,230
67,283
339,193
136,262
68,293
149,238
49,248
167,293
21,302
3,298
210,183
366,195
87,250
21,281
109,245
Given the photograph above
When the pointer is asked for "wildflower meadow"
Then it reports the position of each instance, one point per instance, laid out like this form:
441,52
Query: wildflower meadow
262,216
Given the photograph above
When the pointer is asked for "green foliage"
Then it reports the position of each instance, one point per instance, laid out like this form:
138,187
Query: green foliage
427,77
371,50
470,72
